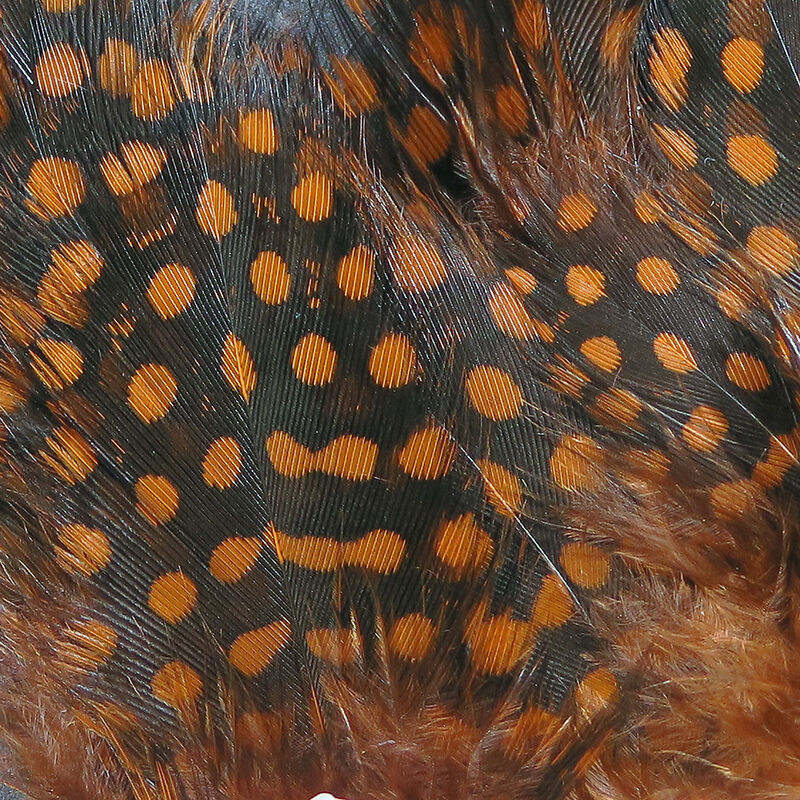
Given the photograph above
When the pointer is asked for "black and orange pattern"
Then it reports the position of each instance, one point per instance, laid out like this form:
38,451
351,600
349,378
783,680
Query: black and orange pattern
322,327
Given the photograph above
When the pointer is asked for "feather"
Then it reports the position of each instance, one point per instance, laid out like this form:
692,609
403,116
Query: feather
398,398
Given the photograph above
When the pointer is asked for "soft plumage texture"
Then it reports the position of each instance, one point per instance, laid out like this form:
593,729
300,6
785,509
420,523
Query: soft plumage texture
399,399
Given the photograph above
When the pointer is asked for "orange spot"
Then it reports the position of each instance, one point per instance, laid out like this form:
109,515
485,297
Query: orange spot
502,488
773,249
427,138
271,278
171,290
177,685
157,499
152,391
57,187
617,405
353,89
238,367
585,565
288,456
747,372
509,312
222,462
356,273
496,644
257,131
60,364
252,652
75,267
463,546
670,59
753,158
61,70
618,37
428,454
61,6
417,264
705,429
348,457
603,352
152,96
554,606
378,551
138,164
674,353
334,646
411,637
586,285
657,275
530,20
430,50
314,360
576,212
234,557
216,210
312,197
677,146
71,457
19,318
11,396
393,361
576,463
596,691
735,499
117,67
731,302
647,208
782,455
567,378
532,727
172,597
89,643
743,64
512,109
493,393
83,549
521,280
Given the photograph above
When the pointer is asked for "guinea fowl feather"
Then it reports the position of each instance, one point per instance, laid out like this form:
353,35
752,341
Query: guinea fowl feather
399,399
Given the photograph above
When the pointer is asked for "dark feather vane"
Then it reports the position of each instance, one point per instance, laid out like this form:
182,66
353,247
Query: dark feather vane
399,399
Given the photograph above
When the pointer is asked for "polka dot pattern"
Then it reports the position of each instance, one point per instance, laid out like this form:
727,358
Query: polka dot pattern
152,391
83,549
257,131
172,597
393,361
319,365
177,684
61,70
271,278
312,197
171,290
157,499
222,462
57,186
493,393
417,265
152,91
314,360
585,284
